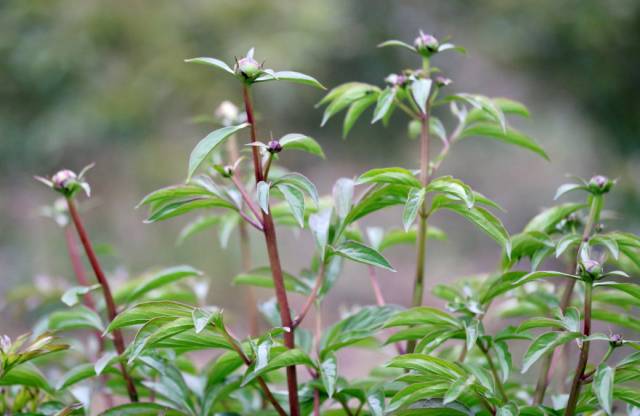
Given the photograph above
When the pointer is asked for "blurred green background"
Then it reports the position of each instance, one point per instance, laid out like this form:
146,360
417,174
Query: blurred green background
84,81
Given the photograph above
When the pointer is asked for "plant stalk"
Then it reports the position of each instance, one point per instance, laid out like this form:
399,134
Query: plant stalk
494,371
418,287
245,250
271,241
112,312
545,369
584,353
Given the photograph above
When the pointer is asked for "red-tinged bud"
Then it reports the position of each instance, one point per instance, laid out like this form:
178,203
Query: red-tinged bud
63,179
249,68
600,184
274,146
616,340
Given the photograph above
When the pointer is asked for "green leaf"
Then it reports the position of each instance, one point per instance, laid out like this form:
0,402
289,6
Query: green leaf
344,95
144,312
453,187
510,136
610,243
396,43
486,105
302,142
208,144
79,317
544,344
602,387
137,288
25,374
510,106
319,225
377,198
262,193
565,242
412,207
287,358
420,90
299,181
530,277
375,401
201,318
457,388
198,225
568,187
355,111
175,209
211,62
385,100
629,288
173,193
503,357
423,315
472,332
357,327
343,196
397,176
329,374
428,365
140,409
72,296
295,199
361,253
485,220
547,220
291,76
262,277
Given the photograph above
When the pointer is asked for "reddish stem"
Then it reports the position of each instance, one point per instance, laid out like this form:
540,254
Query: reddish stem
112,312
312,297
271,241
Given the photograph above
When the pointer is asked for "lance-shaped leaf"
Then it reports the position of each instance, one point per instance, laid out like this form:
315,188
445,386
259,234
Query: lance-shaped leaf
397,176
284,359
544,344
484,220
530,277
25,374
602,387
216,63
377,198
262,195
144,312
509,135
355,111
299,181
384,104
302,142
420,90
361,253
72,296
375,401
344,95
423,315
208,144
138,287
547,220
629,288
319,225
295,199
291,76
175,209
329,374
79,317
399,43
412,207
343,196
569,187
261,277
457,388
135,409
503,357
453,187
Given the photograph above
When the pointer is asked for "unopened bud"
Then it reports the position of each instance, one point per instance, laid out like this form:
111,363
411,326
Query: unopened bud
426,42
396,80
249,68
600,184
62,179
592,268
443,81
616,340
274,146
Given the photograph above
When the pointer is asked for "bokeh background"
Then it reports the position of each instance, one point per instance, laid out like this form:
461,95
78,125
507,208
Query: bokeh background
93,81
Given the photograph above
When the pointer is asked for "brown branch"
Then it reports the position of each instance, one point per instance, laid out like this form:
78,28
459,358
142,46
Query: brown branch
311,298
112,312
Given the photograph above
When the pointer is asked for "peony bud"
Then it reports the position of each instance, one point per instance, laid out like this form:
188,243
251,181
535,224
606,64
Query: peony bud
274,146
396,80
63,179
591,268
616,340
600,184
248,68
426,43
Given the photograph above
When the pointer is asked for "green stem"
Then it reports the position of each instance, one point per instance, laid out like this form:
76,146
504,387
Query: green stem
418,286
494,371
584,353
